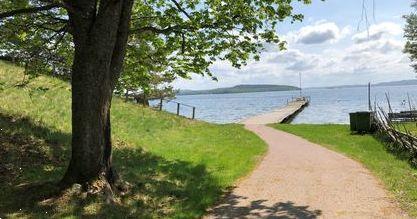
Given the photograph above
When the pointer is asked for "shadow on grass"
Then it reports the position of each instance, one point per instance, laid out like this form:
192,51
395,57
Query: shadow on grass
395,149
262,209
25,145
29,154
34,157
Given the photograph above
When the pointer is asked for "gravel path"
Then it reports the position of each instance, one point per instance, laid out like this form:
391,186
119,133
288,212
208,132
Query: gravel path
299,179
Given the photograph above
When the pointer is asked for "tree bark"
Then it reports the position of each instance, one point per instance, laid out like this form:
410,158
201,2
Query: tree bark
100,32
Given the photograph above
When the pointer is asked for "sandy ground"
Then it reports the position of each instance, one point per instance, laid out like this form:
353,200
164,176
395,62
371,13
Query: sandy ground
299,179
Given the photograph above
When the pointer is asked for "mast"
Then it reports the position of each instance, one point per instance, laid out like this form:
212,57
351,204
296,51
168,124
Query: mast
300,84
369,97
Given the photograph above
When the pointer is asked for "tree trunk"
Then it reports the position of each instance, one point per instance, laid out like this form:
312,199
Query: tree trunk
127,95
142,99
146,103
100,32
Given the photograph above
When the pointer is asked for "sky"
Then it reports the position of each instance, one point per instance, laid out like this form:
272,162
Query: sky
330,47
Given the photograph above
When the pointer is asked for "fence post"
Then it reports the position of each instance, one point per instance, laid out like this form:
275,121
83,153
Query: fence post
160,104
193,112
178,109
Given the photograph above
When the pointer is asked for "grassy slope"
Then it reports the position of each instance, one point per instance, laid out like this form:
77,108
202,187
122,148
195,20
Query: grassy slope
177,167
393,169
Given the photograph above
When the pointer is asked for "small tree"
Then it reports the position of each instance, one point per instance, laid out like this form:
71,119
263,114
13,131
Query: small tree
146,74
410,33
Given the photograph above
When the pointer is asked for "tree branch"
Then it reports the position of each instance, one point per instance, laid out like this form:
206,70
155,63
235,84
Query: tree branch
151,29
183,43
181,9
29,10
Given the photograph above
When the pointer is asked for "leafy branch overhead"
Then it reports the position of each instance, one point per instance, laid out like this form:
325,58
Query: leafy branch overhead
410,34
189,35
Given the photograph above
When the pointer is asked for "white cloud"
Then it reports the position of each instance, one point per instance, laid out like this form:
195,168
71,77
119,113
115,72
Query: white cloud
377,31
379,46
355,60
294,60
320,32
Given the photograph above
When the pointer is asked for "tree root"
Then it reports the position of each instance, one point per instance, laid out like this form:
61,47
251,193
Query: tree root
107,187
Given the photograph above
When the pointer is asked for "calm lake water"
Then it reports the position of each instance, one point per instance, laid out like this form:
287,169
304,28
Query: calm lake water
328,105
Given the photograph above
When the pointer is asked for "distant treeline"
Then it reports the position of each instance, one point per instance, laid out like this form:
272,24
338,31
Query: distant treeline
390,83
240,89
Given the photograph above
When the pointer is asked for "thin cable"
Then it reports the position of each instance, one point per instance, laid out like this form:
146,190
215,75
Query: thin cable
366,20
373,10
364,17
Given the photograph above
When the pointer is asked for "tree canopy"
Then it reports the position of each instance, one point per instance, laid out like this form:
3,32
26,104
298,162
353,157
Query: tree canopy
187,36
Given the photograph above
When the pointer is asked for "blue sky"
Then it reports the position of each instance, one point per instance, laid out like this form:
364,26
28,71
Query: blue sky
329,48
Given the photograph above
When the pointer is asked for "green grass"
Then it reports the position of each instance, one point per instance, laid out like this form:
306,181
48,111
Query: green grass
407,127
392,168
177,167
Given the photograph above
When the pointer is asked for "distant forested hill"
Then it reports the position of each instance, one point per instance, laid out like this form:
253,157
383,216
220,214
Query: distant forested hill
398,83
241,89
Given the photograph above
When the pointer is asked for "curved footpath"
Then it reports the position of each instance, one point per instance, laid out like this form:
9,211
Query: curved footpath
299,179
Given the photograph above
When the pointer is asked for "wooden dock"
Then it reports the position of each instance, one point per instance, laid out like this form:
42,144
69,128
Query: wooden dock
281,115
403,116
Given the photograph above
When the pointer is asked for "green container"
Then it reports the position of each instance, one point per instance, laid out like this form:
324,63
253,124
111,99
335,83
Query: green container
353,118
362,122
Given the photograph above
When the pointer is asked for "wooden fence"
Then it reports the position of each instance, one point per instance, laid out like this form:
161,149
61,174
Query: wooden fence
178,109
403,140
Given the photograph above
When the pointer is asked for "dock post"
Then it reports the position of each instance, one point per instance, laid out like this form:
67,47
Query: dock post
409,105
193,113
160,105
409,102
178,109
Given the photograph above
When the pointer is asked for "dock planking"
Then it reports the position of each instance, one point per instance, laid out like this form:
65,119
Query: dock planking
281,115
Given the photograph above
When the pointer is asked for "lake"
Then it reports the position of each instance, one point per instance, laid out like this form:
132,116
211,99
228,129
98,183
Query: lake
328,105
